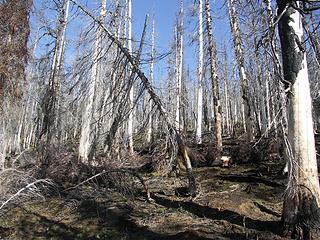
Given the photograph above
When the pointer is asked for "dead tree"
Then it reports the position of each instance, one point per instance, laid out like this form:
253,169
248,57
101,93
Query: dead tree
86,136
215,85
200,76
301,212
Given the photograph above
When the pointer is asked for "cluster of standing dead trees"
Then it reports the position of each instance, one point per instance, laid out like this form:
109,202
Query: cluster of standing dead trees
106,102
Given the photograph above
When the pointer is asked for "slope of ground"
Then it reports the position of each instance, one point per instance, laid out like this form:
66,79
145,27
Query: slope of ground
240,202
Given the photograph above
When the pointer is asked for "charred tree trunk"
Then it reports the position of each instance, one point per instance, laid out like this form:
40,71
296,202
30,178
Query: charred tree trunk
301,213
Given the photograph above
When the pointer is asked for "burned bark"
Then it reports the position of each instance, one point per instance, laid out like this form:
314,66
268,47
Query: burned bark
300,217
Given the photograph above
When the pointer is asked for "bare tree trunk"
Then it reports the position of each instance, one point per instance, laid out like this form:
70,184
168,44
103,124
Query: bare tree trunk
149,133
267,100
200,76
242,71
226,94
300,210
215,85
179,67
131,94
86,137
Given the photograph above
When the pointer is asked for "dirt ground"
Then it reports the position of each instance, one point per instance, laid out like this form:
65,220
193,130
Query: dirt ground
240,202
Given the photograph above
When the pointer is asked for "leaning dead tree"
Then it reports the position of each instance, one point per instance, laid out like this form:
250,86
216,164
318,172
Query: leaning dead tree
301,212
175,140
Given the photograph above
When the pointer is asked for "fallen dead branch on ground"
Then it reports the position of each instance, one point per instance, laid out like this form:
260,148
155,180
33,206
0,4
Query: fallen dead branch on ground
19,186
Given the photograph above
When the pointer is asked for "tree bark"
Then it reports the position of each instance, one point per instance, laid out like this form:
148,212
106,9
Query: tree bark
200,76
86,136
215,84
300,215
227,111
179,68
130,121
149,132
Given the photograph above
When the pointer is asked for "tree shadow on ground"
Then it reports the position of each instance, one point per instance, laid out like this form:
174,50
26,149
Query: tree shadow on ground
215,214
35,226
121,219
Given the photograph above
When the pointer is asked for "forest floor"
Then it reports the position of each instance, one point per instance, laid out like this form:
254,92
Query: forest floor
240,202
243,201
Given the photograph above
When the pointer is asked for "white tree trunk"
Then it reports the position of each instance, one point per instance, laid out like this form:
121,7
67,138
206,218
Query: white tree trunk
131,94
149,133
303,187
200,76
300,125
85,136
179,68
226,93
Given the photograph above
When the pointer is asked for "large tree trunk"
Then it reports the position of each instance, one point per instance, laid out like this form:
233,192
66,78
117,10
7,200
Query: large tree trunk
215,85
300,215
86,136
200,77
